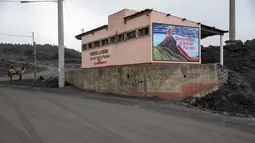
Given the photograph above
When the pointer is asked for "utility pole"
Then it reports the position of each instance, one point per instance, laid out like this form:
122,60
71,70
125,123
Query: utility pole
221,50
61,61
232,20
35,53
61,56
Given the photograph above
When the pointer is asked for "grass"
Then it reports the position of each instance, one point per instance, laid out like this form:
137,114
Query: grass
165,54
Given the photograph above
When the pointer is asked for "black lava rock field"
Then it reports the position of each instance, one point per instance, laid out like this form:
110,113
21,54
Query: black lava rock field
235,97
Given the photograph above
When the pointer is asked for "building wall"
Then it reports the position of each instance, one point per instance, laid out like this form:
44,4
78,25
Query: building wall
116,22
163,18
132,51
163,80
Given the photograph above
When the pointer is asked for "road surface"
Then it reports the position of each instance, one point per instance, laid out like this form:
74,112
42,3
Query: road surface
70,116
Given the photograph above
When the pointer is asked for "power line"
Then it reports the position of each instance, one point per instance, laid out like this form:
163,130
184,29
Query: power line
171,3
70,1
28,1
168,6
71,4
68,12
8,1
14,35
71,18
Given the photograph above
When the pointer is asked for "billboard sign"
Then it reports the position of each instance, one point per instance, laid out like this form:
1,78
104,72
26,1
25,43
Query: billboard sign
175,43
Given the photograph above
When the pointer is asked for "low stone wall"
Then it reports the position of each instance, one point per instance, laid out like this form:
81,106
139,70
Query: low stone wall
166,80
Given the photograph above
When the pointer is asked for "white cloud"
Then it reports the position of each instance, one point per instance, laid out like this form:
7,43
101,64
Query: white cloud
41,18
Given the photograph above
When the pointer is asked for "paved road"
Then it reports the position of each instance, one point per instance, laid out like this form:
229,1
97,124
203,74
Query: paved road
30,116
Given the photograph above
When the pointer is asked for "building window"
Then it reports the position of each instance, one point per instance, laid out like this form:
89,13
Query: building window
144,31
97,44
131,35
89,45
113,39
84,47
104,42
120,37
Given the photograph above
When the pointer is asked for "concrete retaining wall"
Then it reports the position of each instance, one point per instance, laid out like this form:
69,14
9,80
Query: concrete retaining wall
166,80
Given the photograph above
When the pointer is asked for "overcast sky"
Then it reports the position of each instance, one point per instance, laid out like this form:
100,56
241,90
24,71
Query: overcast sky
41,18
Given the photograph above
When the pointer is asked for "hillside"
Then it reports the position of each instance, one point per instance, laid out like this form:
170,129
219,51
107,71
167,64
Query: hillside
46,52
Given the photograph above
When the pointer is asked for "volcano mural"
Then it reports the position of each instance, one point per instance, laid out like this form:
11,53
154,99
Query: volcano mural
175,43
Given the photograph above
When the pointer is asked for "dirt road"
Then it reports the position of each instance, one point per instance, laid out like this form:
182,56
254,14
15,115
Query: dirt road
49,71
71,116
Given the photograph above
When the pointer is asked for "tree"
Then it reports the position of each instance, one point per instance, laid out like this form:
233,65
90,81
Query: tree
44,52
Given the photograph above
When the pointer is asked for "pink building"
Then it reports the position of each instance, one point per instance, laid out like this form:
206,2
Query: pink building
147,36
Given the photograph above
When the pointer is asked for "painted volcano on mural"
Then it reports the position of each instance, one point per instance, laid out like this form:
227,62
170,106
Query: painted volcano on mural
172,43
169,45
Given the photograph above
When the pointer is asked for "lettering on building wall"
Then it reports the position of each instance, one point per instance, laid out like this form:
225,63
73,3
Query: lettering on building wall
99,56
187,43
